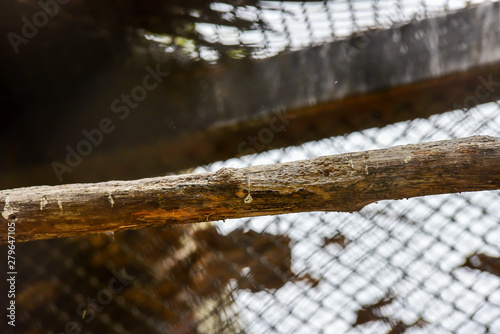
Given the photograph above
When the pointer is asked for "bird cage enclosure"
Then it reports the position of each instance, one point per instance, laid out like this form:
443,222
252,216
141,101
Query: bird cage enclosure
96,91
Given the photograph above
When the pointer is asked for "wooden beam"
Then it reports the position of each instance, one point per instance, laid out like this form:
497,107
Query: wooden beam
345,182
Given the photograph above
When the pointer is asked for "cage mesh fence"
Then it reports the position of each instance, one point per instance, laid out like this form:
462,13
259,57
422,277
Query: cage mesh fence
422,265
279,26
416,255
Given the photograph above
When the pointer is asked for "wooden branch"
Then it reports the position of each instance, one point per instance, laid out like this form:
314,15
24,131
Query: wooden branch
345,182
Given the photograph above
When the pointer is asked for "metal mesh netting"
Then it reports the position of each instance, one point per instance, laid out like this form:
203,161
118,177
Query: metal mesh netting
422,265
291,25
409,253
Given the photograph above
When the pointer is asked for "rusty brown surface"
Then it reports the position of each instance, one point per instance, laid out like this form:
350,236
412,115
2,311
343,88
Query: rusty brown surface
345,182
172,275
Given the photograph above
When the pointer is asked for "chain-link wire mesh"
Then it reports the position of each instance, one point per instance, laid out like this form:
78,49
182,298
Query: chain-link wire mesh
291,25
422,265
410,253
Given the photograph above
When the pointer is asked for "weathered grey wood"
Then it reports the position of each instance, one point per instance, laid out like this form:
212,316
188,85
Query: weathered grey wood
345,182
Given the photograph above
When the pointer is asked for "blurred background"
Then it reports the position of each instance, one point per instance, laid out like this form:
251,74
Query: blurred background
94,91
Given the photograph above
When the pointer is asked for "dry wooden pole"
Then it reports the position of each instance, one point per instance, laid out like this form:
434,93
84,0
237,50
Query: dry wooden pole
344,182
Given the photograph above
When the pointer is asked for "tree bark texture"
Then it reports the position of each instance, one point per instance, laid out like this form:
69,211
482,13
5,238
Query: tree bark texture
344,182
